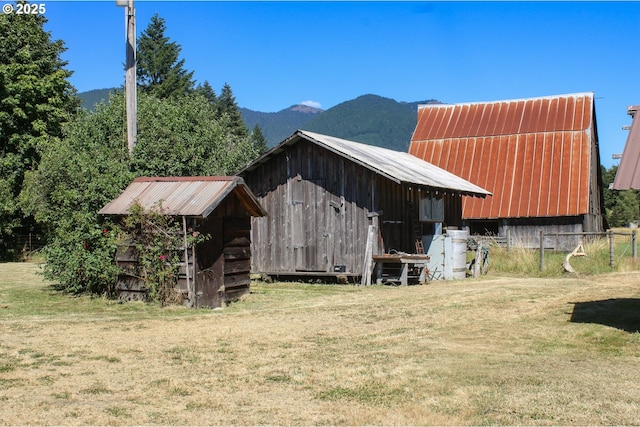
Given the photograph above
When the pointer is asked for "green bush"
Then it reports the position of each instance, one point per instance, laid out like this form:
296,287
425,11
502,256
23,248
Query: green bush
90,166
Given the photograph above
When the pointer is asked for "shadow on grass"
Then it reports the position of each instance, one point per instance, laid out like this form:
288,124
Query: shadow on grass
620,313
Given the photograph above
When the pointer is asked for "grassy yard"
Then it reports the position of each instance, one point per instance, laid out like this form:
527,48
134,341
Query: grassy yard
496,350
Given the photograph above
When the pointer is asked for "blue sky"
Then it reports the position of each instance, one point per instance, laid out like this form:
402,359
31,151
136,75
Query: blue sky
277,54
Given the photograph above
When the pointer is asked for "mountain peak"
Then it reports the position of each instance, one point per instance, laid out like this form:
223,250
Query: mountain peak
301,108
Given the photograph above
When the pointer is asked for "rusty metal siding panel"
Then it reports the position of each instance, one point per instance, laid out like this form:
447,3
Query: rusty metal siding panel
522,176
496,121
528,117
424,121
565,177
534,155
535,145
491,113
570,114
440,118
545,179
461,116
514,126
555,117
475,115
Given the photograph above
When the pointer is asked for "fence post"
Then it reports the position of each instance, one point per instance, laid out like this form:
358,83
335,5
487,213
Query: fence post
508,240
541,250
611,248
634,249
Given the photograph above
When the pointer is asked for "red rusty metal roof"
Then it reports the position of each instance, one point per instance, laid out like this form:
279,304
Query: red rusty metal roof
628,174
196,196
533,155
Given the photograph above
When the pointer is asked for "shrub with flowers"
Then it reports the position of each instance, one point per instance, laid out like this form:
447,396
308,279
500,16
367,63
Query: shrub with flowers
158,245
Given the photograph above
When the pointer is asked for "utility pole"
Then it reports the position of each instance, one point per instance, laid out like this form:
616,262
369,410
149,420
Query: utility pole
130,76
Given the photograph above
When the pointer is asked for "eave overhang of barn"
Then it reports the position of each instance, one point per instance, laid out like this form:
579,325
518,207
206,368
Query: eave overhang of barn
399,167
184,196
628,174
534,155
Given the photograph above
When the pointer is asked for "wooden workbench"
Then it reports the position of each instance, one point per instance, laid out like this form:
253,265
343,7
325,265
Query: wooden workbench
397,268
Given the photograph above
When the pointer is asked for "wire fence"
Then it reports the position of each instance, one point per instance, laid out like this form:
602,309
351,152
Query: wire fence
610,235
29,244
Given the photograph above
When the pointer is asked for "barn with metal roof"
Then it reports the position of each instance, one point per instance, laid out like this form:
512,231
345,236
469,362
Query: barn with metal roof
538,156
322,193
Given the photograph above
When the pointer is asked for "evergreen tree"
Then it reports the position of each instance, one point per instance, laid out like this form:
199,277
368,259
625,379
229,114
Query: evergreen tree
36,98
207,91
258,140
159,70
227,108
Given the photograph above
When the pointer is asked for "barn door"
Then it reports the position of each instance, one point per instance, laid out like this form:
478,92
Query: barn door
309,226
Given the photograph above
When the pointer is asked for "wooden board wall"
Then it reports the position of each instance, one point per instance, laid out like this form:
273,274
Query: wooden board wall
219,267
319,208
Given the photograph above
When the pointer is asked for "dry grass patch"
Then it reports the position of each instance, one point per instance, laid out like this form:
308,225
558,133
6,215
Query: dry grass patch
492,351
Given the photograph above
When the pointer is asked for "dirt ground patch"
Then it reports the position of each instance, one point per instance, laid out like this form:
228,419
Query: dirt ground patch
490,351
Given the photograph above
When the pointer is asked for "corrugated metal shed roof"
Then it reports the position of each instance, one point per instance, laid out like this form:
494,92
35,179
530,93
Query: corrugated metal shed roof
397,166
628,174
195,196
533,154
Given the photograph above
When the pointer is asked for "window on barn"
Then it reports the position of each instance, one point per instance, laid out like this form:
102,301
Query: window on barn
432,208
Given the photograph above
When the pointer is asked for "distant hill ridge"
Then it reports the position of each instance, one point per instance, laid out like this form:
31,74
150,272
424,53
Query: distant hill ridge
93,97
370,119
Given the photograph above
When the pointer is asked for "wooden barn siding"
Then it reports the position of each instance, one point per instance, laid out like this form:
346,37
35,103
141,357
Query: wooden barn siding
128,285
209,268
525,232
224,261
318,206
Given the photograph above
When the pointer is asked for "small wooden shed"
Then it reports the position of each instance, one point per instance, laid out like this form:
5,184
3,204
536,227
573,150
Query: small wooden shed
215,271
323,193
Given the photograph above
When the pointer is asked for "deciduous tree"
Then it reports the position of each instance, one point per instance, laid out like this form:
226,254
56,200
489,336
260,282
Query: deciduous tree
90,166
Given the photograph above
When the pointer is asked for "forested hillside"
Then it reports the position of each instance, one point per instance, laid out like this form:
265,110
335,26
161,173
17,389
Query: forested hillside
370,119
278,126
93,97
